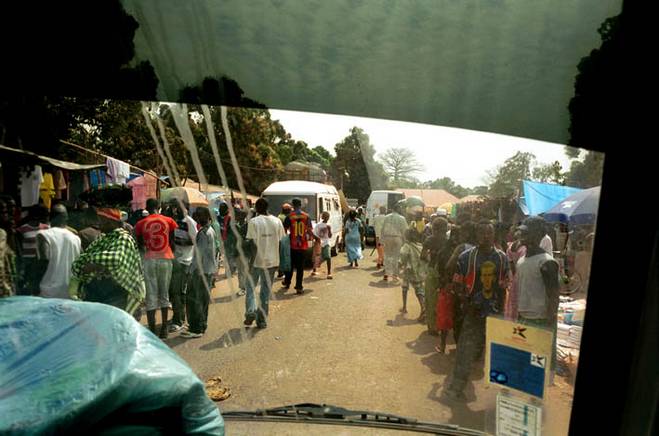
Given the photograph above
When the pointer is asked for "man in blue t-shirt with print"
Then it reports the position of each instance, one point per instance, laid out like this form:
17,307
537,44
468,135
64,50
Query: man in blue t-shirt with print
480,281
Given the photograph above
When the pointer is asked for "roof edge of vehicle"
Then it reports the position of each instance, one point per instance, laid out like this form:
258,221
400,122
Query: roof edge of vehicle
301,187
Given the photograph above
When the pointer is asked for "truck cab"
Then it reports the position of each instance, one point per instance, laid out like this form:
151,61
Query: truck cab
316,199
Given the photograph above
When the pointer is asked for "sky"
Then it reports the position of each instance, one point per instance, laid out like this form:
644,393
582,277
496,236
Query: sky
463,155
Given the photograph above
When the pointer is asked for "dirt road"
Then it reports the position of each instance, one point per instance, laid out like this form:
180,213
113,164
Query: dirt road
343,343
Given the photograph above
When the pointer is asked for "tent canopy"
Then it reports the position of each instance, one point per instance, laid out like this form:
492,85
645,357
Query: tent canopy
579,208
537,198
33,157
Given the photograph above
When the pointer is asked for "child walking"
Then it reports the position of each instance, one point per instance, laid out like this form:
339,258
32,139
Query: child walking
323,233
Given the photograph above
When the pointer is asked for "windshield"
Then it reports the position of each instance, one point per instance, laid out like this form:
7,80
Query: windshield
392,199
275,203
465,330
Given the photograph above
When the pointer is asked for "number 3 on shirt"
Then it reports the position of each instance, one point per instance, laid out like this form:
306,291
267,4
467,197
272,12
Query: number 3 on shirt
157,235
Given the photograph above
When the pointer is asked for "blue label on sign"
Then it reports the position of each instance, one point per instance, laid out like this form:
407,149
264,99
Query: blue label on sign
517,369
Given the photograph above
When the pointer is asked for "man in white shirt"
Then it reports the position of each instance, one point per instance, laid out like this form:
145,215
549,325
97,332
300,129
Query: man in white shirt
547,245
184,237
265,231
537,278
378,221
393,231
61,248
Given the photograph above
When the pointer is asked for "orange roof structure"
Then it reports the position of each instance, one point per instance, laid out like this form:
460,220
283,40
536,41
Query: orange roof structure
471,199
431,197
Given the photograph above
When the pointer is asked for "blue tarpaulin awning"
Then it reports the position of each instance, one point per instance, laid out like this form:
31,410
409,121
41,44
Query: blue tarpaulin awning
537,198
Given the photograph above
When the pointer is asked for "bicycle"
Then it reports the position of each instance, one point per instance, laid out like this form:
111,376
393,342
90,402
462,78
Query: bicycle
570,280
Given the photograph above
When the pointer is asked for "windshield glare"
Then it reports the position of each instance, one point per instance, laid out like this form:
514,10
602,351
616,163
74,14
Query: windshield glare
393,316
275,203
377,323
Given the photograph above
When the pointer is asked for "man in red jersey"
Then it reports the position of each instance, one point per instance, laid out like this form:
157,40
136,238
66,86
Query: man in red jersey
156,234
298,224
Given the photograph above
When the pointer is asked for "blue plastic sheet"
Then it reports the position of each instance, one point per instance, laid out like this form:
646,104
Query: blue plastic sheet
540,197
87,367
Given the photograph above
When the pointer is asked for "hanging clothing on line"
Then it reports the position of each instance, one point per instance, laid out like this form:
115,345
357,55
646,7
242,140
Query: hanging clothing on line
47,190
60,184
97,179
30,182
151,186
118,171
138,186
86,186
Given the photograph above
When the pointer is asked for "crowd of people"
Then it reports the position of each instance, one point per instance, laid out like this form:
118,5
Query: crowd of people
461,271
167,262
467,269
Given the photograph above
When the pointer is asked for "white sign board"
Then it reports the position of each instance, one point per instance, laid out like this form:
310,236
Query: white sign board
516,418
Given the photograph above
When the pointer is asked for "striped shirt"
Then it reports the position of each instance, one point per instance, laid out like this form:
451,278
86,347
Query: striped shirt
29,238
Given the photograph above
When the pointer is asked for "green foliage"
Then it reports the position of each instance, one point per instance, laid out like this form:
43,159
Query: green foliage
586,173
507,179
321,156
354,168
409,183
550,173
479,190
447,184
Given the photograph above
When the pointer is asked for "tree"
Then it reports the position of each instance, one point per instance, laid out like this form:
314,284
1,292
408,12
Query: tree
254,136
550,173
93,56
479,190
507,179
586,173
218,92
409,183
447,184
262,146
354,168
400,164
321,156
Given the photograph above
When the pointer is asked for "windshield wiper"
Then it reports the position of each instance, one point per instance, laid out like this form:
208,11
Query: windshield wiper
309,413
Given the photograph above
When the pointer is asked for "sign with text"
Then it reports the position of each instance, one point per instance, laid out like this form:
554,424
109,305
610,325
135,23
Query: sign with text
516,418
518,356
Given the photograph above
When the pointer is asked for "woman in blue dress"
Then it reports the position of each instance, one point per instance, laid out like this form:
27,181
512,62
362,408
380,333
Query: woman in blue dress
353,239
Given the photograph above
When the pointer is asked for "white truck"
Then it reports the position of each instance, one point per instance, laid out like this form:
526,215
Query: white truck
316,199
377,199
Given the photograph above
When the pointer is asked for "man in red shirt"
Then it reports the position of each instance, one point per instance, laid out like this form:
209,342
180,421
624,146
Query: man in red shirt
298,224
156,234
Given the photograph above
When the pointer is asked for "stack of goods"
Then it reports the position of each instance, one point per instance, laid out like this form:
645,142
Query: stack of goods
568,334
571,311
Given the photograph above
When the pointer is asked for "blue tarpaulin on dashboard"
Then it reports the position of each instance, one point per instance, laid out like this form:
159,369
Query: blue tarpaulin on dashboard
89,368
